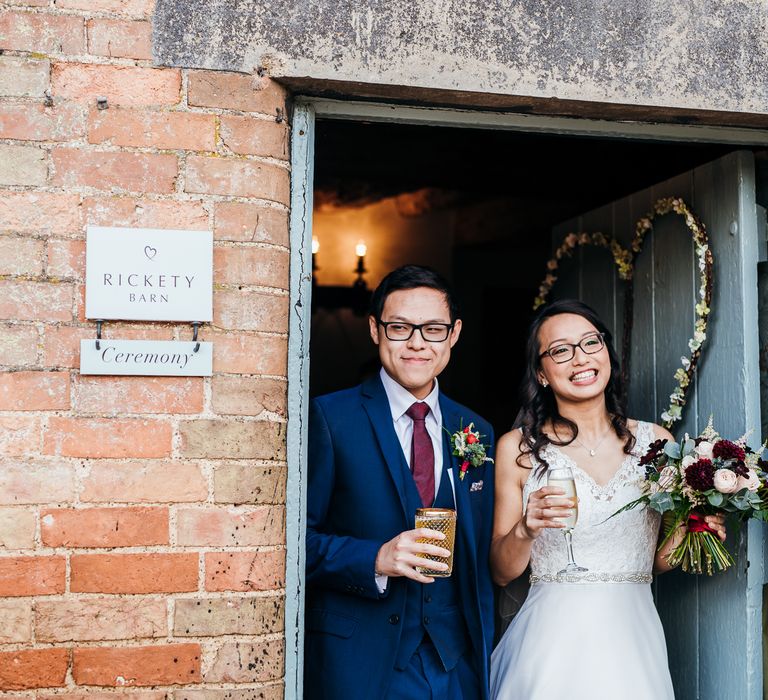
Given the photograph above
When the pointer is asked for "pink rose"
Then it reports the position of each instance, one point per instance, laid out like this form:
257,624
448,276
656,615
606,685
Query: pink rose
751,481
704,449
726,481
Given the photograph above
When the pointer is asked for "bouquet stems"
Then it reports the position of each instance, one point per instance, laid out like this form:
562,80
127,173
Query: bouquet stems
699,550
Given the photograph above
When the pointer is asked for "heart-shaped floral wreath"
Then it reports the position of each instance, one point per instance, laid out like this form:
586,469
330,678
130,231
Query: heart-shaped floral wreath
624,260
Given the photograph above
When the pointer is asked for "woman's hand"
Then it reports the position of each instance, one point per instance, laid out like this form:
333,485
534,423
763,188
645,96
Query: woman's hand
717,523
546,508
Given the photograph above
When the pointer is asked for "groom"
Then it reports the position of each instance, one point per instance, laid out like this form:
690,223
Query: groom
377,629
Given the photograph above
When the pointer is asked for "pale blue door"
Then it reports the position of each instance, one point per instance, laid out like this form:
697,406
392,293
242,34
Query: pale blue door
713,625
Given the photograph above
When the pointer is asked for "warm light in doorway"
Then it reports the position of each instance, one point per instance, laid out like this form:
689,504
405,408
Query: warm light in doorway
361,249
315,245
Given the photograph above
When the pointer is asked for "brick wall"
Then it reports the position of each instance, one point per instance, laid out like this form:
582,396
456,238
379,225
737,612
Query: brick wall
141,519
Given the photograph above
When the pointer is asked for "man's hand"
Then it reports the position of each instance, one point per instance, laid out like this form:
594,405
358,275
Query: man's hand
399,556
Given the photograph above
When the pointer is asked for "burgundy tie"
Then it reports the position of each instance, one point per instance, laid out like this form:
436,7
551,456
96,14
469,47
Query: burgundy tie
422,454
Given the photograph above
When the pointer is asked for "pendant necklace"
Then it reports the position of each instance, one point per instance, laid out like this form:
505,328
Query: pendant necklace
593,451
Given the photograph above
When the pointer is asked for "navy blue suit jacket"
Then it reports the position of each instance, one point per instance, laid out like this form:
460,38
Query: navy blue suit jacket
356,503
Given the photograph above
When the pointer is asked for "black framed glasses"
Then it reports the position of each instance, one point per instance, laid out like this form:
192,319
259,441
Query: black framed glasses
431,332
564,352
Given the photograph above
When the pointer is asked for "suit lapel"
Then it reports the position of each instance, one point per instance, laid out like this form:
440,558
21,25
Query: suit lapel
375,404
466,528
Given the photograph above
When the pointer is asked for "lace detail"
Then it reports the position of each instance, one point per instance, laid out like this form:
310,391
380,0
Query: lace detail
597,577
624,545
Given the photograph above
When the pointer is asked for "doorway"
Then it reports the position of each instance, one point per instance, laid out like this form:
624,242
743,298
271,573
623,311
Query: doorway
483,270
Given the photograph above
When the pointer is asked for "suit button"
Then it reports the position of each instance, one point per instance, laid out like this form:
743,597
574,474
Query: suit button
426,620
394,619
427,598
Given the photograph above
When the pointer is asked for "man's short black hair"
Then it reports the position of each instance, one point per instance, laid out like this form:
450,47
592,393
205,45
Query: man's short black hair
412,277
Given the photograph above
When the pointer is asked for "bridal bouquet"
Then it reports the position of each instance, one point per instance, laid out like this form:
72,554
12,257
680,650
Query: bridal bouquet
702,476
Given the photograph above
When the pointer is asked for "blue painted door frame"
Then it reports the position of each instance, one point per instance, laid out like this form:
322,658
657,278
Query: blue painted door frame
713,625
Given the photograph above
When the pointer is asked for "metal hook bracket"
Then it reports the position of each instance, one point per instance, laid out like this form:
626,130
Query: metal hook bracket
99,321
195,328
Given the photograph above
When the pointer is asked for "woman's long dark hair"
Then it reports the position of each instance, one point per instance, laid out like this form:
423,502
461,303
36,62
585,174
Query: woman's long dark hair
538,403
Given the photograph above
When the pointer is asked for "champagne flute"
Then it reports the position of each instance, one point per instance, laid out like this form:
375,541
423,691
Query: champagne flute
562,478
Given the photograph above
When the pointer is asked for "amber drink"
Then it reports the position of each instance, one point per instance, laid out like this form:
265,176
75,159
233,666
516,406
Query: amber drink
443,520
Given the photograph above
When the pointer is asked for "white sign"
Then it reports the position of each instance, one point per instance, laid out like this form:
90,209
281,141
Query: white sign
156,358
148,274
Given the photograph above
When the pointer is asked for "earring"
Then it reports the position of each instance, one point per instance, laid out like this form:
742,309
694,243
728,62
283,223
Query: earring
544,383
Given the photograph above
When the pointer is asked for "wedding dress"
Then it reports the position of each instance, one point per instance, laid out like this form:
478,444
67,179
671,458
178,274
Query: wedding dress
594,635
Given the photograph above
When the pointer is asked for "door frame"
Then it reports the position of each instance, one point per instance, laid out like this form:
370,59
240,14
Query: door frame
306,111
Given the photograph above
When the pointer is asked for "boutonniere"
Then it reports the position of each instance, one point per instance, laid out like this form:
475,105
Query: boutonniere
468,446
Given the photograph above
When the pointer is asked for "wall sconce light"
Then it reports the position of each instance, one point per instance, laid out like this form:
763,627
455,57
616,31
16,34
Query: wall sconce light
357,297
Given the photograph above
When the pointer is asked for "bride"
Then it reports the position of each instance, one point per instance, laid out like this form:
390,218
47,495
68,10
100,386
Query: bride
591,634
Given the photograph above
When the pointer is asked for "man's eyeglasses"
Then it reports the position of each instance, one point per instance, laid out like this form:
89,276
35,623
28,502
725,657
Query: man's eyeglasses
564,352
431,332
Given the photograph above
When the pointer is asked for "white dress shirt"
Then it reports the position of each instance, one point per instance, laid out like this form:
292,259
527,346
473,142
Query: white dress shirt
400,400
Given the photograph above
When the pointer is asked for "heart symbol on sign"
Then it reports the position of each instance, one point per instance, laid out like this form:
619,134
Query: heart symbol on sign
150,252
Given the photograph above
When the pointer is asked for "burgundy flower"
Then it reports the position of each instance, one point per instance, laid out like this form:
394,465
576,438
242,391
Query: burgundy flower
741,469
654,449
725,449
700,475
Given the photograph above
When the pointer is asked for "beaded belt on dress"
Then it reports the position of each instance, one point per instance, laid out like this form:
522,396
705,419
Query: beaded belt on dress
593,577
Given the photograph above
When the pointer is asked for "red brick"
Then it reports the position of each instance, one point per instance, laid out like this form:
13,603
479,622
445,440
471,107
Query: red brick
133,573
126,8
119,38
242,482
245,93
230,527
42,33
144,482
21,256
110,695
236,177
18,345
37,481
100,619
19,436
263,267
145,213
138,395
29,3
239,353
27,576
104,527
248,396
66,259
33,668
36,122
40,213
151,129
135,172
245,221
32,301
168,664
17,530
34,391
244,571
121,85
105,437
248,310
23,77
257,137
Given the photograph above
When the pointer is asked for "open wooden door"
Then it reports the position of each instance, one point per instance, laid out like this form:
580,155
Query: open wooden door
713,625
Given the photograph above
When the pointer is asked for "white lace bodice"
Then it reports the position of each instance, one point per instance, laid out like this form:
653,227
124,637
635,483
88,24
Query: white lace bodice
620,549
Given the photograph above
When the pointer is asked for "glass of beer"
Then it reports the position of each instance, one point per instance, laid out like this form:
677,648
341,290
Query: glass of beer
562,478
443,520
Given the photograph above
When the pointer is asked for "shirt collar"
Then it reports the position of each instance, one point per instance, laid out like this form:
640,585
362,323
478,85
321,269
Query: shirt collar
400,399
